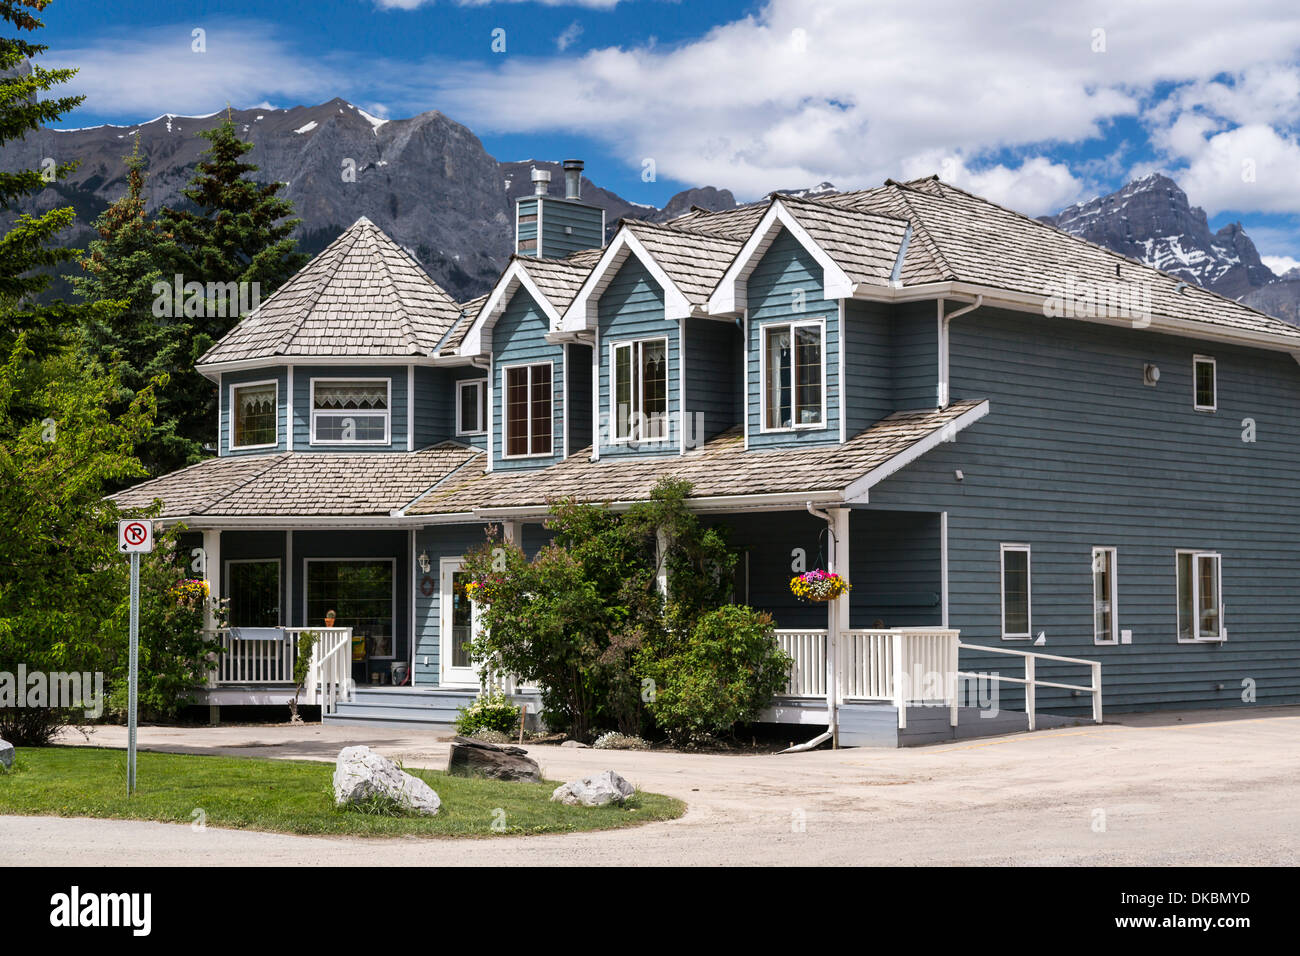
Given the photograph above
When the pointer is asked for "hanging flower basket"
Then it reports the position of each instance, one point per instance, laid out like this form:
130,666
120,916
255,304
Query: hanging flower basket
818,585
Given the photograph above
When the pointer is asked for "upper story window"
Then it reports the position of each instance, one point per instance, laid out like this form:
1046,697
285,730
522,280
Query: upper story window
1204,384
529,401
1016,600
350,411
793,375
253,415
471,407
639,387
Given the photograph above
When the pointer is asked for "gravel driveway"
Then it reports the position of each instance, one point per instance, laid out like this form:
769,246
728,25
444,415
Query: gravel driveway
1177,788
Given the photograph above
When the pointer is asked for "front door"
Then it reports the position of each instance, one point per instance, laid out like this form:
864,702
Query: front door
456,626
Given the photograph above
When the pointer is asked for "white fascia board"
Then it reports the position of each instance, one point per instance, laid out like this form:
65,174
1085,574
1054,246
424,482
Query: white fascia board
479,337
857,492
309,522
730,296
581,315
214,371
779,501
1031,302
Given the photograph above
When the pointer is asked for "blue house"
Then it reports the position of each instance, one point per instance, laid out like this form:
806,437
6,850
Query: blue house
1056,478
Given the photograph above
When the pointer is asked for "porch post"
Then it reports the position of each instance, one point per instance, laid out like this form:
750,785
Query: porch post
837,614
212,571
286,613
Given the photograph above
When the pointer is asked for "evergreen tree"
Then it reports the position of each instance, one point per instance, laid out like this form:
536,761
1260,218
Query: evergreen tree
238,231
122,266
29,251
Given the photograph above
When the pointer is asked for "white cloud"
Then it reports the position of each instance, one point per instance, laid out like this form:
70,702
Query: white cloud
569,36
1280,264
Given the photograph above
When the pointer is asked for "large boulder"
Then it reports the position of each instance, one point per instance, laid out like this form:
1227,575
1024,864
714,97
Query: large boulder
475,758
361,774
6,754
594,791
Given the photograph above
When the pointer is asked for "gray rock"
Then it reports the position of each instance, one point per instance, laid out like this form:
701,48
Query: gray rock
595,791
360,774
474,758
575,743
6,753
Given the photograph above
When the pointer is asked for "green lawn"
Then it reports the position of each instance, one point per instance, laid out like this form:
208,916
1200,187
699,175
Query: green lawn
247,793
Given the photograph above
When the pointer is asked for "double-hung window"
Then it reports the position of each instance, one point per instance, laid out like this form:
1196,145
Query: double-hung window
1015,591
350,411
640,389
1200,596
1105,603
529,401
253,415
471,407
793,376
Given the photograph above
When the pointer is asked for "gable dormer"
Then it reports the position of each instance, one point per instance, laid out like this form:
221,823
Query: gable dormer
667,375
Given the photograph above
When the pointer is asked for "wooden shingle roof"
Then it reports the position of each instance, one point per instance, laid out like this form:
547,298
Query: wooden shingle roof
363,295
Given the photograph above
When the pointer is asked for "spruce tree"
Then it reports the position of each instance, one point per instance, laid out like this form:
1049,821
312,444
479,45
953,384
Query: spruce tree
237,231
122,266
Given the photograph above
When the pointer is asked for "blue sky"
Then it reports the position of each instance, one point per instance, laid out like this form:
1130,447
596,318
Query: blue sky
1033,105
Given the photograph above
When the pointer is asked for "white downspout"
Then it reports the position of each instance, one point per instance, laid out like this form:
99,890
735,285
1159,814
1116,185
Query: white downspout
832,626
944,322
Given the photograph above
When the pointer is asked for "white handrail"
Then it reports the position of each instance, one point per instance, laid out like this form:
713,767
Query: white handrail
329,676
1031,681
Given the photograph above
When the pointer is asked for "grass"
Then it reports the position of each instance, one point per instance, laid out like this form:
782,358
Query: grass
283,796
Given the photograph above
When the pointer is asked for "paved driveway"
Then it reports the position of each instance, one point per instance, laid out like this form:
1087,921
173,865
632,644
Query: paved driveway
1189,788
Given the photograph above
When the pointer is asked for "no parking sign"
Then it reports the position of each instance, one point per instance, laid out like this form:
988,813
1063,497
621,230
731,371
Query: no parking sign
135,536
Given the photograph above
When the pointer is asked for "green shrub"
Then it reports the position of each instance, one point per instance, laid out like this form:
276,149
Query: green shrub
724,672
489,712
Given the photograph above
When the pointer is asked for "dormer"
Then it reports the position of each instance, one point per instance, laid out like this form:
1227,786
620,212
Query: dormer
667,375
550,227
793,283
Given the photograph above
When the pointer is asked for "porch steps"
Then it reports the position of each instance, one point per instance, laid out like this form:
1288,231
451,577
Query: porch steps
429,709
873,724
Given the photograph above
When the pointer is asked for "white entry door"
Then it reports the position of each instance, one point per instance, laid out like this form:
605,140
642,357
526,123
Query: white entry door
456,626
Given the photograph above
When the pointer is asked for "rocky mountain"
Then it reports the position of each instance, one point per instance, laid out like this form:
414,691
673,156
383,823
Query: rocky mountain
427,181
1151,220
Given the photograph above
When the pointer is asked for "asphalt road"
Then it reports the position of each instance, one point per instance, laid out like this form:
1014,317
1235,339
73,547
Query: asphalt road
1156,789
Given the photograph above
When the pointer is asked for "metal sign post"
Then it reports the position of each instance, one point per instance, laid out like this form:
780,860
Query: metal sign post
134,537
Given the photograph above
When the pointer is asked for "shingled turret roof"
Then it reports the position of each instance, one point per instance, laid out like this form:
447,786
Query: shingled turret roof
362,296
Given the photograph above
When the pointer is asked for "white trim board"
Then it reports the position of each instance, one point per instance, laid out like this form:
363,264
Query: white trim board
478,340
856,493
581,314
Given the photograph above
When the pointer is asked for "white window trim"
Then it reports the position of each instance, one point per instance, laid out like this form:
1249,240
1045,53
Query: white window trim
1113,597
279,581
763,328
313,411
613,390
1196,638
480,386
505,412
234,416
1029,589
392,600
1214,366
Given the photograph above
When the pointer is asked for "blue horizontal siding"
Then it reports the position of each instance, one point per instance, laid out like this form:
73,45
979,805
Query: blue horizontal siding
302,376
786,285
519,338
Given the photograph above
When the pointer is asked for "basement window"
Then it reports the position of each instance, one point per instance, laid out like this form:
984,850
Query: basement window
1204,384
1200,597
350,411
1015,592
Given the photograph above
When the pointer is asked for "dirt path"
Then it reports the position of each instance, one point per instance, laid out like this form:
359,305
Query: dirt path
1190,788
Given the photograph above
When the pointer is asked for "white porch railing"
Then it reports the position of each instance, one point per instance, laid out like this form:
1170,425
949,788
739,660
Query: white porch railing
269,659
329,676
909,666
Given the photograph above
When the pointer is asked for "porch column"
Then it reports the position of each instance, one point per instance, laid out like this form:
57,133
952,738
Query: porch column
286,613
212,571
512,533
837,612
